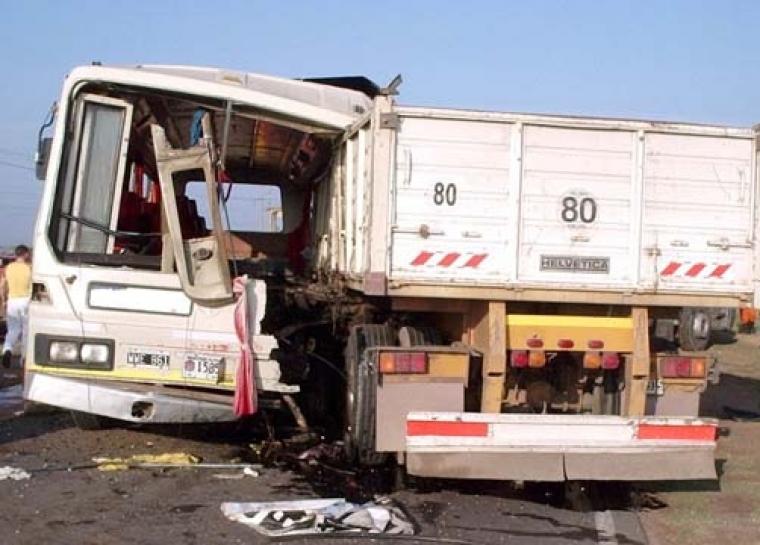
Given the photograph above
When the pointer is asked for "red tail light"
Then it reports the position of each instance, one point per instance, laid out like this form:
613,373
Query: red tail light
565,344
595,344
534,343
610,360
682,367
403,362
519,358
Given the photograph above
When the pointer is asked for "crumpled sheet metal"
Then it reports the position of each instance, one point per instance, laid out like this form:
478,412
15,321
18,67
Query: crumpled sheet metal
170,459
321,516
13,473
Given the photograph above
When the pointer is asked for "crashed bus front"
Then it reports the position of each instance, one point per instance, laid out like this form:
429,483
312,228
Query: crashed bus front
134,314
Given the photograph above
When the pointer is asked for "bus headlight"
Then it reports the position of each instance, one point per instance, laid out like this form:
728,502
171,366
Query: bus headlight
94,353
64,352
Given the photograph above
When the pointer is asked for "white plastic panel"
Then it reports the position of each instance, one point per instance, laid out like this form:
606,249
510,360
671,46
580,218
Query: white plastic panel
451,201
698,202
576,206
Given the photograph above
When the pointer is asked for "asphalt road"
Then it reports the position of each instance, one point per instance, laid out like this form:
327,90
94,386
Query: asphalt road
62,503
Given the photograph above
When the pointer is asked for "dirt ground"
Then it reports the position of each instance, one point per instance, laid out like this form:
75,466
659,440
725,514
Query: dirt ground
65,503
707,513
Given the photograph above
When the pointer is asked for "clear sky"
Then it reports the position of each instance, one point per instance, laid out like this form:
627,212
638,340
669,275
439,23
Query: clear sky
669,59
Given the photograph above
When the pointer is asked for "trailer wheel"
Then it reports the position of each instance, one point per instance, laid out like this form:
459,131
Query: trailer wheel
88,421
409,336
361,381
694,329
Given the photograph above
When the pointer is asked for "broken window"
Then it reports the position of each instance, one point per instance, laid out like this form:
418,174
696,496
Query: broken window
250,207
248,185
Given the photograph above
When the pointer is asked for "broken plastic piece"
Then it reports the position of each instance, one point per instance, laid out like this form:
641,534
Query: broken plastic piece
321,516
13,473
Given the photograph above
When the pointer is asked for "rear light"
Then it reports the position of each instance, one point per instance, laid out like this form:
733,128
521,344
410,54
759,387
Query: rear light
534,343
536,358
595,344
403,362
682,367
519,358
698,367
592,360
610,360
565,344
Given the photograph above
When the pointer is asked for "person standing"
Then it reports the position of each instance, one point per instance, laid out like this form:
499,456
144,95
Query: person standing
18,284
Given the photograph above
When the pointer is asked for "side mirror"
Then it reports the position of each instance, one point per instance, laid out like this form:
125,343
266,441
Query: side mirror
43,145
42,156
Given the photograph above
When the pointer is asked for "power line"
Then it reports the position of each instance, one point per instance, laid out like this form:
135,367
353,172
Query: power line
14,165
9,151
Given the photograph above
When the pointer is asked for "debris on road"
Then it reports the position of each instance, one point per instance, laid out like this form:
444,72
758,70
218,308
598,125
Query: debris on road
321,516
248,471
170,459
13,473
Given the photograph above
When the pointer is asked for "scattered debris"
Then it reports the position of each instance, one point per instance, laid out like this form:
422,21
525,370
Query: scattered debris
323,451
248,471
14,473
322,516
169,460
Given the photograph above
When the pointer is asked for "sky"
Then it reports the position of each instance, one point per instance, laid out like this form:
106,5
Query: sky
666,59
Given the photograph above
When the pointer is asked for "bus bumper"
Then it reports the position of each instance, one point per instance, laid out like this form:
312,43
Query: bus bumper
559,447
128,402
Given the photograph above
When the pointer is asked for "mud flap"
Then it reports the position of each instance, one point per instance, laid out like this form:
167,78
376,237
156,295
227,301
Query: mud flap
673,464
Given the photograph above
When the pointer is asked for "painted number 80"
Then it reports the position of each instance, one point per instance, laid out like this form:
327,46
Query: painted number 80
444,194
574,209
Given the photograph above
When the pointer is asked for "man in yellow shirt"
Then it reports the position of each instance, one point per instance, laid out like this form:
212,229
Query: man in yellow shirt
18,286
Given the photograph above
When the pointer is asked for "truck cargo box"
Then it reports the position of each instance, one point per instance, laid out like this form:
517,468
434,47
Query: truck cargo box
548,208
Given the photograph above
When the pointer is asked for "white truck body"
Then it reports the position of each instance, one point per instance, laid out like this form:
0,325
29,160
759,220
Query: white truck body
523,206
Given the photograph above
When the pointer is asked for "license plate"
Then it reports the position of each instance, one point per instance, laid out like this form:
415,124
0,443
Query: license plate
148,358
203,367
655,388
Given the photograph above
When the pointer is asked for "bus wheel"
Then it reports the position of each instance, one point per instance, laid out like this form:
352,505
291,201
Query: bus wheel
361,382
88,421
694,329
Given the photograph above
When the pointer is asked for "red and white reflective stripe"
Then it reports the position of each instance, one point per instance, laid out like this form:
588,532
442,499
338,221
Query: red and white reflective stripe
698,269
677,432
448,259
554,432
446,428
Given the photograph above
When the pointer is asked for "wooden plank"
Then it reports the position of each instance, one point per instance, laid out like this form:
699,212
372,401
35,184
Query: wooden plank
637,370
401,287
384,140
416,304
488,335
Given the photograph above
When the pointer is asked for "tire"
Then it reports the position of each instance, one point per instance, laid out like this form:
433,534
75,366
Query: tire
361,384
409,336
694,329
89,422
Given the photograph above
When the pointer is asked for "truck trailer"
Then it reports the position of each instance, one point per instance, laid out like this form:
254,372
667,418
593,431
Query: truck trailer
467,294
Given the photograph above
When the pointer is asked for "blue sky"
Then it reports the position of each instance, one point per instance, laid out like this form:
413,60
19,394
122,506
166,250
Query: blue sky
668,59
